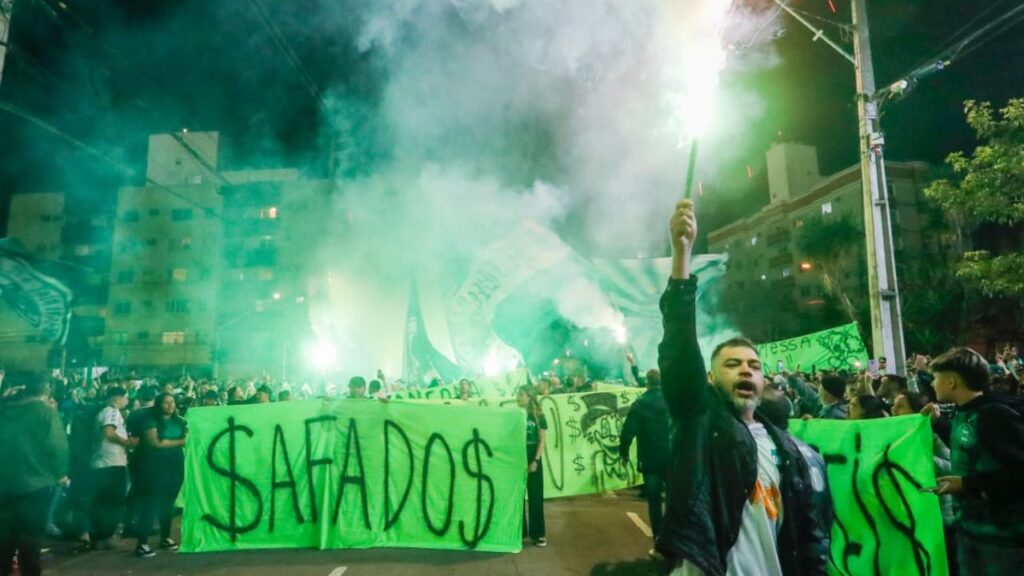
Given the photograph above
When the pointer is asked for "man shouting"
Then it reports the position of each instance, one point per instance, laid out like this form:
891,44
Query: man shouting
739,495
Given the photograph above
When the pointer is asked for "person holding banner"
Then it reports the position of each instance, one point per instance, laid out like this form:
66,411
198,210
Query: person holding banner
648,422
162,466
536,433
987,452
739,494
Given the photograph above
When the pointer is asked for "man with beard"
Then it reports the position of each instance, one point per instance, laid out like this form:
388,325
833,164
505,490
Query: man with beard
739,494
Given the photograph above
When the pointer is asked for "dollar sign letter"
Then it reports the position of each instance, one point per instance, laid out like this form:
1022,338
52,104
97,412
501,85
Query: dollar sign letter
574,428
231,473
480,531
572,401
578,461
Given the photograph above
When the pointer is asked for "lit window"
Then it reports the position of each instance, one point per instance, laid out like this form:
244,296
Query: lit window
787,272
826,208
269,213
265,274
764,276
753,240
805,266
186,243
179,274
83,250
173,338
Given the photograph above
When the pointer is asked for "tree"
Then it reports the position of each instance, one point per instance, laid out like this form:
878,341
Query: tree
829,242
988,187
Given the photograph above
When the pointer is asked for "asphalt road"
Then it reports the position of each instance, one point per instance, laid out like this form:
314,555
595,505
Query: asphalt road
591,535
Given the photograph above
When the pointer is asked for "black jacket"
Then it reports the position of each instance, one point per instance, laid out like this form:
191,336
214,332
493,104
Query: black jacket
714,461
648,422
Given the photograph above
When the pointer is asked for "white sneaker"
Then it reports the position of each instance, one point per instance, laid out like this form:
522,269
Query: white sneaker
144,551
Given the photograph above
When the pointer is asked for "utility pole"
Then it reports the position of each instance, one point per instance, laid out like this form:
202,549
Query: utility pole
6,9
883,290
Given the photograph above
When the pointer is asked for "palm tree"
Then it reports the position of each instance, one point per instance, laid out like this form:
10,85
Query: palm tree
828,243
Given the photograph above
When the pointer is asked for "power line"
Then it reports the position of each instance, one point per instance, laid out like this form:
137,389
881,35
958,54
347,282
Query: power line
289,54
122,169
952,52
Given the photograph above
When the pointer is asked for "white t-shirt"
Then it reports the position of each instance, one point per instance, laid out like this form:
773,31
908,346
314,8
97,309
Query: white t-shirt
755,552
108,453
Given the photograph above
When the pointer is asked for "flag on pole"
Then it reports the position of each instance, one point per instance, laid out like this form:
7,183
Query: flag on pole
420,358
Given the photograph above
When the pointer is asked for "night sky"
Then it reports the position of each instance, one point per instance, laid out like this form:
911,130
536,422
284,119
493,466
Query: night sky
109,72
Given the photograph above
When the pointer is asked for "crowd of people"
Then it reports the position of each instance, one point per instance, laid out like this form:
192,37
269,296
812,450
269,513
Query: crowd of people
742,496
729,490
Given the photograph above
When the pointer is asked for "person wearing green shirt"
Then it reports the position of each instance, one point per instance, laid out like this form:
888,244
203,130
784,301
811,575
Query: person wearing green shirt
987,463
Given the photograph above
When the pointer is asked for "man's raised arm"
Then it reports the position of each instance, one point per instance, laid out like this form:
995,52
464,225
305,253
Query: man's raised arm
683,375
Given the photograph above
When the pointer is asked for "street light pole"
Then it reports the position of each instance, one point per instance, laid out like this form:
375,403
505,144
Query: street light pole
883,289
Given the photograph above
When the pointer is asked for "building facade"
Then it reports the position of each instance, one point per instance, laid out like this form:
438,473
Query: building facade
773,287
200,271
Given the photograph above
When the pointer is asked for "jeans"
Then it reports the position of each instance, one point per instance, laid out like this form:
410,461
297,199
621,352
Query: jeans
977,558
22,526
534,526
158,489
654,490
109,487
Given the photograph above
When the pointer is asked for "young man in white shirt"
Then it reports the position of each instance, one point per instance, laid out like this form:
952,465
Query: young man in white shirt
109,464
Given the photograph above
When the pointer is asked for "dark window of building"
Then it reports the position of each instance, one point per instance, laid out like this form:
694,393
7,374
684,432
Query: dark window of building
154,211
181,214
142,336
178,307
126,276
122,308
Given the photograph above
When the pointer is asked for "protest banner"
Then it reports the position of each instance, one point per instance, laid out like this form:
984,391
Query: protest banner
839,348
447,392
354,474
883,524
581,455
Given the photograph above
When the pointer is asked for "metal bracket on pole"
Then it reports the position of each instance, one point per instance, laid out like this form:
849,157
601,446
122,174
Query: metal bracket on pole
818,32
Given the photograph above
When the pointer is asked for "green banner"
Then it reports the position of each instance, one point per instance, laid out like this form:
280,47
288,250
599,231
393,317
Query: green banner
840,348
354,474
447,392
582,451
884,524
581,455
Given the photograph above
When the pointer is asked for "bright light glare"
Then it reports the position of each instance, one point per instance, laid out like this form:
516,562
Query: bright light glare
620,334
492,364
322,355
694,39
